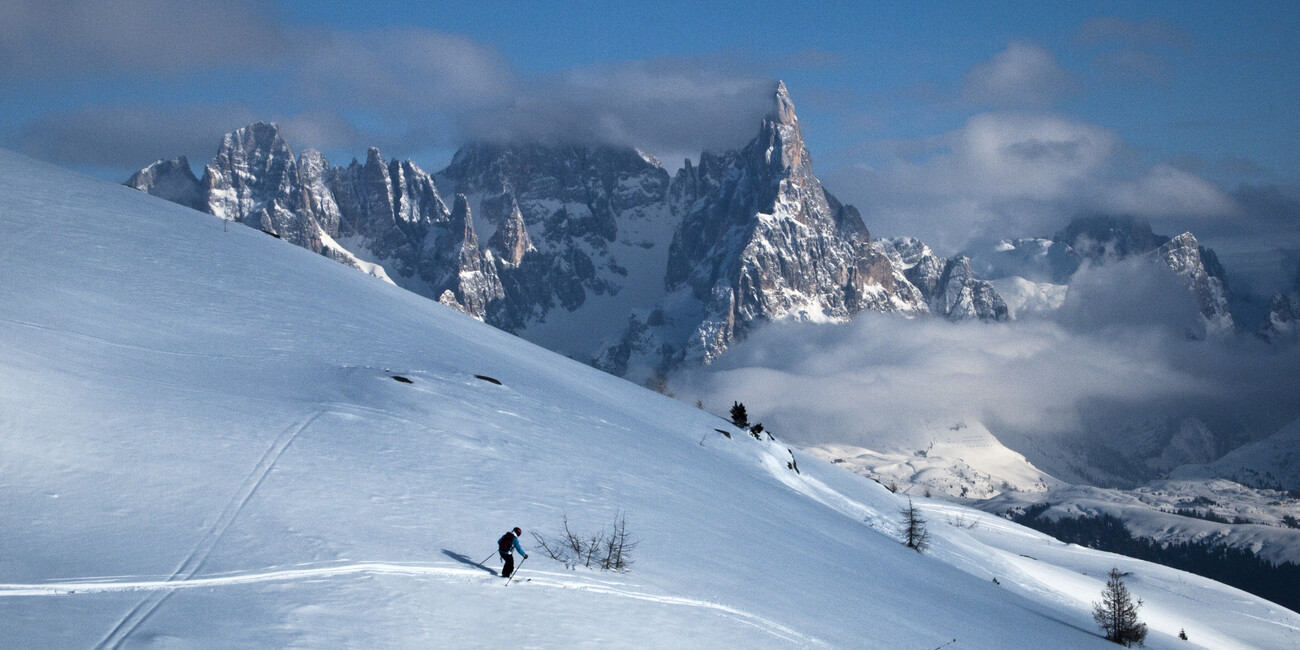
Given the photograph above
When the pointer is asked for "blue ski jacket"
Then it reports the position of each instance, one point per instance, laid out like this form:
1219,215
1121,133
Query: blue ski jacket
519,548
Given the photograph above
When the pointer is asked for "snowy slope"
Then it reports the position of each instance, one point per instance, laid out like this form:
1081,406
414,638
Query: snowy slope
1273,461
201,444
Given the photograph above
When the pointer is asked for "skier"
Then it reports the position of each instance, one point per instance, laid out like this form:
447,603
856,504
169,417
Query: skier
504,545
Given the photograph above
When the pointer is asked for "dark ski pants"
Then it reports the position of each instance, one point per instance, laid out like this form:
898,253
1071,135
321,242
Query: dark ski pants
510,564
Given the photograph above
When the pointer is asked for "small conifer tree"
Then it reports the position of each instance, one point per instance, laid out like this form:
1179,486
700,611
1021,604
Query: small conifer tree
738,415
1116,613
915,534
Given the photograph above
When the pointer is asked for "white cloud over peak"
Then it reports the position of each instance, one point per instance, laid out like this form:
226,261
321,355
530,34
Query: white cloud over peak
1024,74
1017,174
1117,353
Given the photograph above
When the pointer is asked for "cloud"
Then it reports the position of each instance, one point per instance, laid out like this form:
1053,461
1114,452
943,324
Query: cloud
1129,49
408,89
1259,247
44,39
1165,191
1018,175
1135,66
1153,32
1024,74
398,71
132,136
661,104
1131,293
882,382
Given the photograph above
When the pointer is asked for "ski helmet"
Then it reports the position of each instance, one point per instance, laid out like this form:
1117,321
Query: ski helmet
518,532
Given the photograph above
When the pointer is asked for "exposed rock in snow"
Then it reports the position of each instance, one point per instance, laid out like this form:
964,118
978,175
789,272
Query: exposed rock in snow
949,286
1190,262
562,221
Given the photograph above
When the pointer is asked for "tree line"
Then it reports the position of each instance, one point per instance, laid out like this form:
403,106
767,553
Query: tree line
1231,565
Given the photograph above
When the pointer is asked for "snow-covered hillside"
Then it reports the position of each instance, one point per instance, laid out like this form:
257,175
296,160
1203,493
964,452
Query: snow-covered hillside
202,443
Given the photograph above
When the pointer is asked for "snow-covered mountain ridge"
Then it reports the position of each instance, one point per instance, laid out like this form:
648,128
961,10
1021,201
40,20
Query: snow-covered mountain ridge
593,250
1038,271
204,445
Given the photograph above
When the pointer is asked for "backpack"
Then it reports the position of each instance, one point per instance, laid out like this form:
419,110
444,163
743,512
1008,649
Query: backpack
506,541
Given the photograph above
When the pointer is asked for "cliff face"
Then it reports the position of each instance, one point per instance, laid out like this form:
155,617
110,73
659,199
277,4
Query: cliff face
759,239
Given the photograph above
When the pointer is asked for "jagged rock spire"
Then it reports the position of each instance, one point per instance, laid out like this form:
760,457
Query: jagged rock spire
784,112
761,239
470,276
510,242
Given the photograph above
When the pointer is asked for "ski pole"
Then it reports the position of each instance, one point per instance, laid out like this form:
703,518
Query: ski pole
516,572
486,559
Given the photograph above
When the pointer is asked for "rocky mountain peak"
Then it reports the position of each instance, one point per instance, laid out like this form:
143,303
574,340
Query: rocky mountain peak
780,141
949,286
254,169
1107,238
1187,259
171,180
784,111
760,239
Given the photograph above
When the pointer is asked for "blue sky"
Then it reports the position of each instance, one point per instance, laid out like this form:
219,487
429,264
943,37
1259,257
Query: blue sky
951,121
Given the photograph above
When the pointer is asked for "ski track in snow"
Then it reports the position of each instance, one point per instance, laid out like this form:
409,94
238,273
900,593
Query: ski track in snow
164,588
199,554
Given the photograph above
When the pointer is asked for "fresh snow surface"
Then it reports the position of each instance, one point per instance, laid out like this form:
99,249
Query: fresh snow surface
963,460
201,444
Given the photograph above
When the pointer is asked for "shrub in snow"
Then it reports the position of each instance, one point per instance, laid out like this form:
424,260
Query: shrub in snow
608,552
